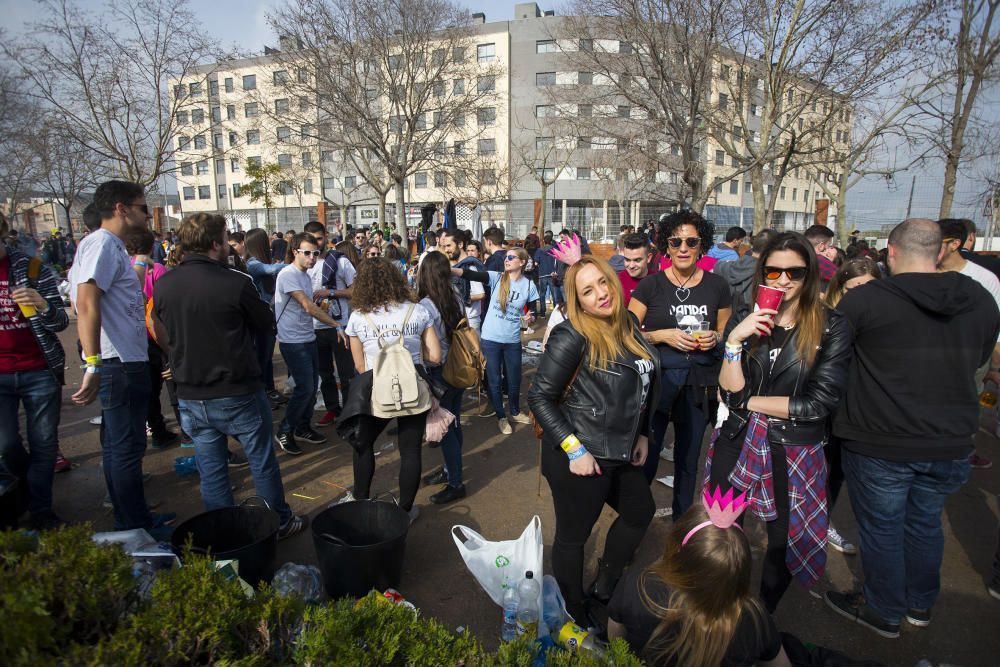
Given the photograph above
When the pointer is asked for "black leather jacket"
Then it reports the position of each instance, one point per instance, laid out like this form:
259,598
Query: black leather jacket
602,407
814,391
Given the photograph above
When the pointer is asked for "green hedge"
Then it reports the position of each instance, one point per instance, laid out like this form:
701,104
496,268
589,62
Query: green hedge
67,600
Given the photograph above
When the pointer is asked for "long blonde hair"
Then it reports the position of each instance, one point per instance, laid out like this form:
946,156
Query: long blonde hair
709,582
606,339
504,290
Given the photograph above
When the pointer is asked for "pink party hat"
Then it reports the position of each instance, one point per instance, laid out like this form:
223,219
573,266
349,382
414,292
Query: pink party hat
723,510
568,251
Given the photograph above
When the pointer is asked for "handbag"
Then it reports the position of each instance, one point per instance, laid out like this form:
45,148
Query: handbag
539,431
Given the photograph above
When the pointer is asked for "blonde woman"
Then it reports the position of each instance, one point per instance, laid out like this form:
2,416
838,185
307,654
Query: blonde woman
592,396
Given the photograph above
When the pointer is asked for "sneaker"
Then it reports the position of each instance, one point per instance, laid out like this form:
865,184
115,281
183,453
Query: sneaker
63,464
448,494
852,606
414,513
979,462
504,426
237,459
920,618
486,411
47,520
277,397
287,443
310,436
346,498
164,440
163,518
295,525
96,421
186,440
435,478
667,453
161,533
994,588
327,419
838,542
521,418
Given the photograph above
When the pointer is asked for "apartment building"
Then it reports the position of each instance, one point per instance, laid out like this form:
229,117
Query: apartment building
234,113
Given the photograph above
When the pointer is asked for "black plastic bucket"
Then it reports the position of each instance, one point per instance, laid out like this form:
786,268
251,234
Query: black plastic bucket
247,534
360,546
9,501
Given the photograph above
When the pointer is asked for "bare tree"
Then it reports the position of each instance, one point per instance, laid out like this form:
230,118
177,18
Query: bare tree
545,149
19,167
479,179
66,168
390,80
106,76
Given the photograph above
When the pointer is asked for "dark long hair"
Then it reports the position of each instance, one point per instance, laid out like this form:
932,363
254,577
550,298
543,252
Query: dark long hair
347,249
379,284
854,268
258,245
434,282
809,316
669,223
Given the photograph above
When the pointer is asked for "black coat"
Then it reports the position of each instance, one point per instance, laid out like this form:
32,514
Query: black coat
602,407
357,403
814,390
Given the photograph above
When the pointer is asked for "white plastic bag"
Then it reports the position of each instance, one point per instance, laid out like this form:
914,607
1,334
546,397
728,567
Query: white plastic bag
495,564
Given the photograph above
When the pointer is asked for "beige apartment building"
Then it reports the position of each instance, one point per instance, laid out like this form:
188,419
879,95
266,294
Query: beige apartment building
233,112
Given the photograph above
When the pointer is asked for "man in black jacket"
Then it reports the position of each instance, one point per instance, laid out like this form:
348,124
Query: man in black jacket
907,421
205,316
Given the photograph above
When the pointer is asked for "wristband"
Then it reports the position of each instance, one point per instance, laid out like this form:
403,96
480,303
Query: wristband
91,369
142,264
569,443
93,360
577,453
731,355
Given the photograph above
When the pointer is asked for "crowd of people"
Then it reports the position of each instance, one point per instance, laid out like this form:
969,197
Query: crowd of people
810,365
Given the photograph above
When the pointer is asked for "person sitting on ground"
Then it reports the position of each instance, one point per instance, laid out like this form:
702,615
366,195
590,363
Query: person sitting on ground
728,250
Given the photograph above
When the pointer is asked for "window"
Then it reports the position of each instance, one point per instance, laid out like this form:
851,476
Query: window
458,87
303,104
284,134
546,46
394,62
194,88
486,116
251,110
737,132
213,88
723,101
487,146
202,167
309,131
801,124
230,112
197,116
302,75
307,186
747,187
781,192
460,179
233,139
179,91
217,141
587,45
280,77
281,107
543,143
754,110
204,192
458,55
216,114
805,196
253,137
249,82
718,188
234,165
734,187
237,190
486,84
624,111
486,53
350,181
253,161
544,111
440,179
438,57
733,162
229,84
460,120
186,169
545,79
583,173
189,193
307,159
420,179
795,194
222,190
330,183
285,159
585,78
486,177
625,48
438,89
220,166
182,117
182,143
199,141
720,158
546,173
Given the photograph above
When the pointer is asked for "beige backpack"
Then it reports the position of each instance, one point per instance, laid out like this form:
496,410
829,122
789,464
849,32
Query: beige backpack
397,389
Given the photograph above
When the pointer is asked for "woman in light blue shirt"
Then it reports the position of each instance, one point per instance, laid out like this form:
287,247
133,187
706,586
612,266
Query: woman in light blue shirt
264,273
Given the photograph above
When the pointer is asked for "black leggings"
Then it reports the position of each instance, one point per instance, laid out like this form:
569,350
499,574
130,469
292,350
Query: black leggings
578,504
411,434
331,351
835,472
775,576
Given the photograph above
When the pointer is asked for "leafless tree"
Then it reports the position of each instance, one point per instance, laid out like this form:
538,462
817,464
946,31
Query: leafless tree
544,150
66,168
106,76
19,167
475,179
390,80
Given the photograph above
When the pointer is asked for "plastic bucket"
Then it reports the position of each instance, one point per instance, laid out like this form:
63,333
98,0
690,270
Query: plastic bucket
360,545
247,534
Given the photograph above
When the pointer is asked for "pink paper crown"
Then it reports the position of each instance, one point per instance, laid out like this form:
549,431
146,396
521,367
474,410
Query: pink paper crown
568,251
723,510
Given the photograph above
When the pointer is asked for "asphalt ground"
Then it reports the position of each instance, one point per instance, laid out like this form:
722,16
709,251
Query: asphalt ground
506,491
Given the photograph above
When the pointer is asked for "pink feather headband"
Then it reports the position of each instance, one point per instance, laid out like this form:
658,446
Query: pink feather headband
568,251
722,511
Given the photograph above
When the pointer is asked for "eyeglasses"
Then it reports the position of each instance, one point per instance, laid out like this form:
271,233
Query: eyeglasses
308,253
691,241
374,253
511,257
142,207
794,273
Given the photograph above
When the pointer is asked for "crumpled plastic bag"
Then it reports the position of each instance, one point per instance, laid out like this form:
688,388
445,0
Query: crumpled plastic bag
438,421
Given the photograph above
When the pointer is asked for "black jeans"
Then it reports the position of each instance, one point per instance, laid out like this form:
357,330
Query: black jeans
154,415
835,471
689,430
411,434
775,577
332,351
578,504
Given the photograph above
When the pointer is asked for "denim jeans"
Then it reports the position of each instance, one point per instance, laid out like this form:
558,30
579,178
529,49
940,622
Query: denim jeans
264,345
451,443
545,285
247,419
898,507
125,392
302,360
507,355
40,394
331,351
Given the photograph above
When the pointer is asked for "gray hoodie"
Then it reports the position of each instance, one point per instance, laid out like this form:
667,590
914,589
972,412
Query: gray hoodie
739,274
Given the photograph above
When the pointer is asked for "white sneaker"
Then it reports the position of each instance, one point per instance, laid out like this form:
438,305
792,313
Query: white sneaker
414,513
347,498
667,453
521,418
838,542
96,421
504,426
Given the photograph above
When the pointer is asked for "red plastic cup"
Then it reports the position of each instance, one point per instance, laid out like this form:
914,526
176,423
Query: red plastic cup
768,297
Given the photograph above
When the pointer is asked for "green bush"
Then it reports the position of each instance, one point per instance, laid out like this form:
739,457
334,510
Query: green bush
66,600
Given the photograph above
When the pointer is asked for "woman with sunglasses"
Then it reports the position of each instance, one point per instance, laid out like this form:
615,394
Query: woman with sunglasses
683,310
781,378
372,250
511,291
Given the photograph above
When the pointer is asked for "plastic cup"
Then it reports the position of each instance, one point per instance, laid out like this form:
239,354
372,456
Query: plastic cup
768,297
27,311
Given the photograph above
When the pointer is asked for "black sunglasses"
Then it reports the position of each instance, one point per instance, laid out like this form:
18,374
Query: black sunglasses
142,207
795,273
691,241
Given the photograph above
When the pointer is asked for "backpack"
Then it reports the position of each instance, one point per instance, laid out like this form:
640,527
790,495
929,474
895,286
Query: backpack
465,364
330,281
397,389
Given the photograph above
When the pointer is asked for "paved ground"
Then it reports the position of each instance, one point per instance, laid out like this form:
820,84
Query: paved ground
502,477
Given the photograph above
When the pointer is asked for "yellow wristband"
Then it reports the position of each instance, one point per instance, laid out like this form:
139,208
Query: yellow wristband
93,359
569,443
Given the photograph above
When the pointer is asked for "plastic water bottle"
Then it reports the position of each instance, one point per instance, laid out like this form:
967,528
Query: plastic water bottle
575,639
527,612
510,606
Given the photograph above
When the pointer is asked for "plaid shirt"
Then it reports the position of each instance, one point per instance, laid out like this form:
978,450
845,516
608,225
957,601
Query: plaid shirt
808,520
827,269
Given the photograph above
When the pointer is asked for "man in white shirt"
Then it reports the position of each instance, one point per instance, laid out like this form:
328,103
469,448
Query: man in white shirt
452,243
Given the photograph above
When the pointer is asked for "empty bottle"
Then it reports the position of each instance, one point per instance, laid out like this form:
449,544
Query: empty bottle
529,590
510,605
575,639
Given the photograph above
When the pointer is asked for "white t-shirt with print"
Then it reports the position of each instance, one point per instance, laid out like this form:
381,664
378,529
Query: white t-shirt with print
390,320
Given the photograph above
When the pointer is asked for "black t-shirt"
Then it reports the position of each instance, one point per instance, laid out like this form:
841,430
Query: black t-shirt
669,307
776,342
752,642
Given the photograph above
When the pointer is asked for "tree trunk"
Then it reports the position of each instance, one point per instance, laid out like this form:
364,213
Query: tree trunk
343,219
950,176
541,214
843,232
760,216
400,211
381,209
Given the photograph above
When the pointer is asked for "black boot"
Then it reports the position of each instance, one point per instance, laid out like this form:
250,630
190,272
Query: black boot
604,585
